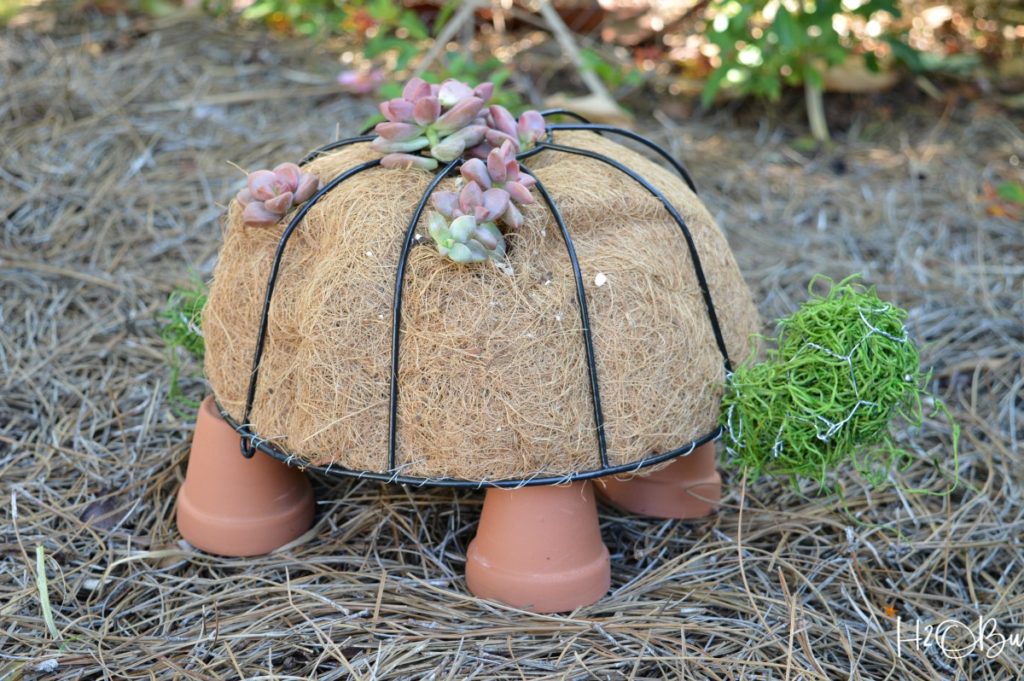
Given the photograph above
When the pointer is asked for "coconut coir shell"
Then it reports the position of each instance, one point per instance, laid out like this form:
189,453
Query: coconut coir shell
492,380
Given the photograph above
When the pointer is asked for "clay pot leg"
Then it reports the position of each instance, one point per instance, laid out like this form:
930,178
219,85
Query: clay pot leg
689,487
539,548
233,506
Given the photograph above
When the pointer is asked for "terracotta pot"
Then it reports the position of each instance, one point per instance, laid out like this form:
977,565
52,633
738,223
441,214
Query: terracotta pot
233,506
539,548
689,487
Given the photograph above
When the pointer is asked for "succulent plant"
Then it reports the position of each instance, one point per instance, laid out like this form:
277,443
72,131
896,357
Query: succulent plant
523,134
486,205
406,161
443,119
463,226
361,81
465,239
269,194
440,123
501,171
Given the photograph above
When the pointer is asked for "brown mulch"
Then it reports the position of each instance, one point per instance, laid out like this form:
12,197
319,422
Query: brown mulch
115,165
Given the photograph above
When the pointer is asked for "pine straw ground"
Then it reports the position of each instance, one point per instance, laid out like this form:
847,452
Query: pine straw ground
114,171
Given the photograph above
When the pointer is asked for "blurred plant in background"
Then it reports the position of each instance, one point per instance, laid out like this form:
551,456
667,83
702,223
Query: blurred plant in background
388,38
388,27
386,24
615,75
618,49
462,67
767,43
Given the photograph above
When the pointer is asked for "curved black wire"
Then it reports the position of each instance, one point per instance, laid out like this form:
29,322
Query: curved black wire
247,446
250,440
581,299
396,314
564,112
292,460
694,255
261,337
679,167
337,144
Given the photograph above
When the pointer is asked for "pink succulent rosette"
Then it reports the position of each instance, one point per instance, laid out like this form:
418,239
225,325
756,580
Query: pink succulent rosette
270,194
464,225
361,82
444,120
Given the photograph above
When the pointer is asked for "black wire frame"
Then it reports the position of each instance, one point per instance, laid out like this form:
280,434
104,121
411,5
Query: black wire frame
252,442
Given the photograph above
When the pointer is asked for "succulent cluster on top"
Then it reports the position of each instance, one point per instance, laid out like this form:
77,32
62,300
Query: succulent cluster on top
463,225
443,119
269,194
429,124
432,123
447,121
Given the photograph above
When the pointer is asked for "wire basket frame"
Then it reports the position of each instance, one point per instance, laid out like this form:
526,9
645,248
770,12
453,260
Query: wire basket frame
251,441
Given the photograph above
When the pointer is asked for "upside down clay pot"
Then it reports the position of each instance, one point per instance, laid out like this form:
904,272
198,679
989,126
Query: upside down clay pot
233,506
689,487
539,548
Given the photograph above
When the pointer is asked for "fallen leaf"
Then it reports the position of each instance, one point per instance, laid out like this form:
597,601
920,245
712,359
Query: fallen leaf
597,108
854,77
103,513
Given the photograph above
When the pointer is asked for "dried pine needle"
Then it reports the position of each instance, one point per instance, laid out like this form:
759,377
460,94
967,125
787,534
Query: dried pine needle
82,411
